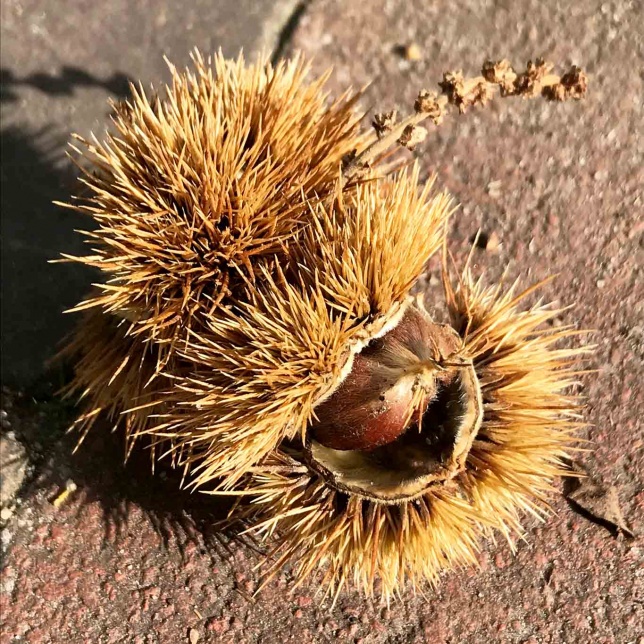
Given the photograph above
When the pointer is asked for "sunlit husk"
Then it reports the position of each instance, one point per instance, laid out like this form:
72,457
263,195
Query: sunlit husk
528,427
240,274
243,273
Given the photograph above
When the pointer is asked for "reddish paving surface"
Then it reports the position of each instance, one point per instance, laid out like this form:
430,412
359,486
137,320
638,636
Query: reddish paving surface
127,559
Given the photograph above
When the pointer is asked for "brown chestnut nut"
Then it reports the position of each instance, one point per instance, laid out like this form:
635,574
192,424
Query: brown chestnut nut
390,384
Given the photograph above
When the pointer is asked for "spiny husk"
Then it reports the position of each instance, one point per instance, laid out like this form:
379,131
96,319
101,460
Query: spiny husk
198,190
243,271
528,428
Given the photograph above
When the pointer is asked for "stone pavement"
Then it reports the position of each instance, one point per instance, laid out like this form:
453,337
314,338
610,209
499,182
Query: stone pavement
125,558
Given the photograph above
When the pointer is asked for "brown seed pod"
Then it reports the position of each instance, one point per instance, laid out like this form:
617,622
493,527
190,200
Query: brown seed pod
234,264
404,416
508,430
389,384
254,324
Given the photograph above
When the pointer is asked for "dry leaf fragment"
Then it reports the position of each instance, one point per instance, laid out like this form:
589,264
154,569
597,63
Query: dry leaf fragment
536,76
465,92
576,82
573,84
60,498
595,500
500,73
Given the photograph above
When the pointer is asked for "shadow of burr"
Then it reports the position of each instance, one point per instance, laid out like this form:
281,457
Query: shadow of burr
34,174
101,477
35,293
64,83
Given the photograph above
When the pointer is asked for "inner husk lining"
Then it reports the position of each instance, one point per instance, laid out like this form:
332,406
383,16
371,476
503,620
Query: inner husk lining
418,460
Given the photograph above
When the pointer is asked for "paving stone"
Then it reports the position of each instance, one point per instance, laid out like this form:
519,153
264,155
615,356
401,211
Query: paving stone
127,556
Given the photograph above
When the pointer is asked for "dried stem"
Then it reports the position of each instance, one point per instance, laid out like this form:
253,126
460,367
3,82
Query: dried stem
461,92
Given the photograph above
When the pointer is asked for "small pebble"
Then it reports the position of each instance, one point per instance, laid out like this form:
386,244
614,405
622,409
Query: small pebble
488,241
193,635
494,189
493,242
413,52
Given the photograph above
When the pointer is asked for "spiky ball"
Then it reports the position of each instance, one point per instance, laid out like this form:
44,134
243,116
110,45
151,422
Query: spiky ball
254,324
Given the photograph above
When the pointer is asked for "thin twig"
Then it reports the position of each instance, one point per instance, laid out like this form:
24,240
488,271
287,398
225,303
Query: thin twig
461,92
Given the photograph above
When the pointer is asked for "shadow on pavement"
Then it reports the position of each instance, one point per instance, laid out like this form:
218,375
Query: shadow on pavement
62,84
98,471
34,231
34,173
